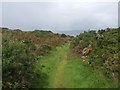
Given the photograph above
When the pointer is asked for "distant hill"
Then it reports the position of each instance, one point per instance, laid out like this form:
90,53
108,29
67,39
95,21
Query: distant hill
71,32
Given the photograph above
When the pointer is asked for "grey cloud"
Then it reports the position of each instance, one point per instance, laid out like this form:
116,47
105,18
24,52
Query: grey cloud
59,16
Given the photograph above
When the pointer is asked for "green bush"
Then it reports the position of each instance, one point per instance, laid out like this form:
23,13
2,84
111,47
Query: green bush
42,33
17,64
43,49
63,35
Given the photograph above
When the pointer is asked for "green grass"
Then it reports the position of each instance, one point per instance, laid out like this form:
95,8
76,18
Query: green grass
64,72
77,75
51,62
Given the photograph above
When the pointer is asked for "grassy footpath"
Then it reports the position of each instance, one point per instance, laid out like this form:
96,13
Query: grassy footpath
64,72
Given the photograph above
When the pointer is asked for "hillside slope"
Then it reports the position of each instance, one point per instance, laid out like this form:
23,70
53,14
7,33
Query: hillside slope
99,50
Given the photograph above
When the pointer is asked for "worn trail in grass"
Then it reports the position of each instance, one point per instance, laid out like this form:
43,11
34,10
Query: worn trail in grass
64,71
58,79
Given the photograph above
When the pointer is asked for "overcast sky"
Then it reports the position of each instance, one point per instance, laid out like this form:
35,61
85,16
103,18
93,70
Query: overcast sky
59,16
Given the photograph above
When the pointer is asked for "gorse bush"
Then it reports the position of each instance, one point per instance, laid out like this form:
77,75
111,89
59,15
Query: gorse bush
18,65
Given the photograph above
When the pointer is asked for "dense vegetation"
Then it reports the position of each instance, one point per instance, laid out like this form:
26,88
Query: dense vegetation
39,58
99,49
20,51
